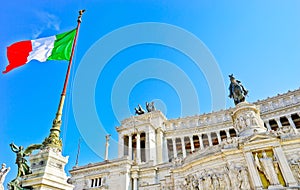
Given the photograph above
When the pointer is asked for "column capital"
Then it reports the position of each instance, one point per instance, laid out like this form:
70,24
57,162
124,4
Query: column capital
277,119
288,116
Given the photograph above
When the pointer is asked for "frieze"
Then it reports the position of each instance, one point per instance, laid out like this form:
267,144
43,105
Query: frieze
196,130
225,177
280,101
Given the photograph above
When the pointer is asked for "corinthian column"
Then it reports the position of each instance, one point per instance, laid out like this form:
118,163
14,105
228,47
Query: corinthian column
183,147
174,148
138,148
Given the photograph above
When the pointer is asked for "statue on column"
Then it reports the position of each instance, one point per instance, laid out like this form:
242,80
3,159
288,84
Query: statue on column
236,90
3,173
266,166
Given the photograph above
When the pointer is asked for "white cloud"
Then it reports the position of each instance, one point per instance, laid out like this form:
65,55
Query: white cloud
46,21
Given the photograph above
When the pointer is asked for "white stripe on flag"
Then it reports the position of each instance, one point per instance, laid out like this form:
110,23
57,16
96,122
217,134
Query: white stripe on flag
41,49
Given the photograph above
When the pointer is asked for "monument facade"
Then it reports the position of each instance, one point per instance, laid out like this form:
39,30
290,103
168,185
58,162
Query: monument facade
251,146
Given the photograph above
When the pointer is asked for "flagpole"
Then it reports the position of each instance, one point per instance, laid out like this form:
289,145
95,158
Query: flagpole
53,140
78,152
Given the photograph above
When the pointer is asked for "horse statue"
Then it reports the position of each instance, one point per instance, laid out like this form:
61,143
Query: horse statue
139,110
236,90
150,106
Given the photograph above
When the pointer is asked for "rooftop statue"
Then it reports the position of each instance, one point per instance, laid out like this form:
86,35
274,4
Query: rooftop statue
150,106
23,168
236,90
3,173
139,110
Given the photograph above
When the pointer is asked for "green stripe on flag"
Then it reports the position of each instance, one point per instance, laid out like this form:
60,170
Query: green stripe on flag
63,46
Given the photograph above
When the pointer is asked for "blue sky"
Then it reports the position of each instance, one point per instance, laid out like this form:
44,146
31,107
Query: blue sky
258,42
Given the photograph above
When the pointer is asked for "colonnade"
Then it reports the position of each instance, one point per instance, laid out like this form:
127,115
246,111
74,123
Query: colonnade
187,144
292,120
135,146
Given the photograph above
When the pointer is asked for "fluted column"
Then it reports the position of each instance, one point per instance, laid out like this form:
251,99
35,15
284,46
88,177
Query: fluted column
135,184
147,151
135,176
209,139
227,133
174,148
138,148
192,143
268,125
130,146
183,147
289,117
219,137
278,122
165,150
200,141
121,146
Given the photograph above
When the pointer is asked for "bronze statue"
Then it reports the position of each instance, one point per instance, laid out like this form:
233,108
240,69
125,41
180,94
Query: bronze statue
23,168
236,90
139,110
150,106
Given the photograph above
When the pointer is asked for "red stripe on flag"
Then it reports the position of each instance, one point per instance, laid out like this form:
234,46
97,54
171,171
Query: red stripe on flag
17,54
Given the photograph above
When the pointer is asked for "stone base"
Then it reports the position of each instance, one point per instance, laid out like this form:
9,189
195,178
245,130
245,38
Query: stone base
246,120
47,171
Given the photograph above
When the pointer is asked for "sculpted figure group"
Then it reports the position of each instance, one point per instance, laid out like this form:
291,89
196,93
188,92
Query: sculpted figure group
228,178
247,120
149,106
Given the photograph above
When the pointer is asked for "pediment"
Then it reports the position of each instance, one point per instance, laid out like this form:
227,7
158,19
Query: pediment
259,137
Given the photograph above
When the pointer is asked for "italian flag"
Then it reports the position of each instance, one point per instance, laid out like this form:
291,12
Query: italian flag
57,47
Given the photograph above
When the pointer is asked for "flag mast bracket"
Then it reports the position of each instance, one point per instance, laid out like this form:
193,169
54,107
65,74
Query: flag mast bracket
53,140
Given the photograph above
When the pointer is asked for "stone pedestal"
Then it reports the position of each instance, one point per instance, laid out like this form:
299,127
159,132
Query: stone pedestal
246,120
47,171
